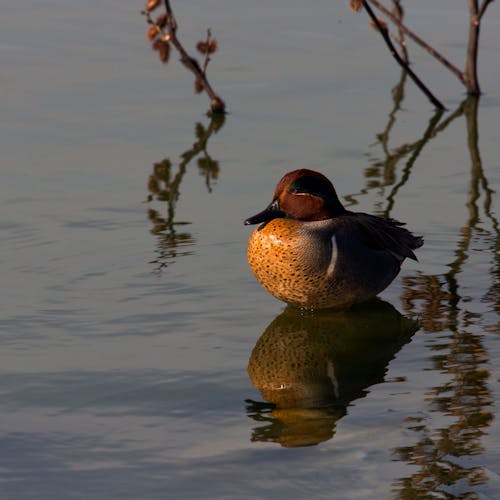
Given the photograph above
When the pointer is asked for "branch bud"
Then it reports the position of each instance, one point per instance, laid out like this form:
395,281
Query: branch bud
355,5
152,5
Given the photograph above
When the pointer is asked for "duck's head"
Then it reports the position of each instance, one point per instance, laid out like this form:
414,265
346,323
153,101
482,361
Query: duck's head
303,195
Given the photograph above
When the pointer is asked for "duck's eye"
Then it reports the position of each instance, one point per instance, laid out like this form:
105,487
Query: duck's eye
305,185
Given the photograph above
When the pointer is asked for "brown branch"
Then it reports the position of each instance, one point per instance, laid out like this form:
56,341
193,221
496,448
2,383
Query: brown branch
475,15
163,33
398,13
217,105
385,35
483,8
207,52
471,79
457,72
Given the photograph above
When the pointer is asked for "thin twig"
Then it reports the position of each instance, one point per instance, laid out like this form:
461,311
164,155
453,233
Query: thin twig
457,72
398,12
163,34
216,103
483,8
207,52
385,34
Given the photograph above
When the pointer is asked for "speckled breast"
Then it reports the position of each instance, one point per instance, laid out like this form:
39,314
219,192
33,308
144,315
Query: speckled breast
291,263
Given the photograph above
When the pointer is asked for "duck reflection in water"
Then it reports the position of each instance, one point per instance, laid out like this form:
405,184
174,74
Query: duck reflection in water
310,366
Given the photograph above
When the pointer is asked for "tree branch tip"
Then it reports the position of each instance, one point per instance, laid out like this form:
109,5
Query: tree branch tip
218,106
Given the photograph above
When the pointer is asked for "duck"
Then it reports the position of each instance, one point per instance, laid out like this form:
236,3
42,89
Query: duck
310,252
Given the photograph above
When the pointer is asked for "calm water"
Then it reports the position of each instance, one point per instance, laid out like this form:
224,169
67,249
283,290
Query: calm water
140,359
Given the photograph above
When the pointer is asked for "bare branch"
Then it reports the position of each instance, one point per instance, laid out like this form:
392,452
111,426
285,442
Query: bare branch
397,11
483,8
216,103
457,72
471,80
385,34
163,33
207,51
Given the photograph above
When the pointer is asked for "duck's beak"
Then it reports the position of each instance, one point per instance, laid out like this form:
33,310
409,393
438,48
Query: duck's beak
271,212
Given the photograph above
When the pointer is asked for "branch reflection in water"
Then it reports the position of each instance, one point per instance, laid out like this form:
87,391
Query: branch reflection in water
455,341
458,351
164,188
311,366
